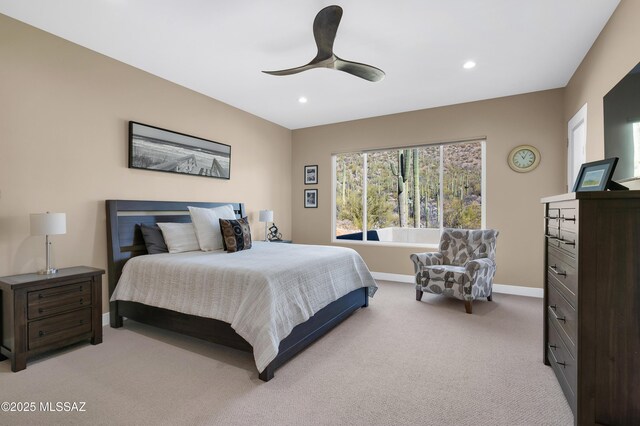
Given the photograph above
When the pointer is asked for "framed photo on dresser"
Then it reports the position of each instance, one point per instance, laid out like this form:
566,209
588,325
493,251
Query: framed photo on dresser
596,176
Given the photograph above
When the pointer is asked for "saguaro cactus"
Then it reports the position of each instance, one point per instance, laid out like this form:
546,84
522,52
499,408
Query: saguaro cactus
401,172
416,189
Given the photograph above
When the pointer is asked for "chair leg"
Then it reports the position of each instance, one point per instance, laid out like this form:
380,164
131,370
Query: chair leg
490,297
419,294
467,306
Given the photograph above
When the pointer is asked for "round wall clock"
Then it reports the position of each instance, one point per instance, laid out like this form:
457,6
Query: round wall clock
523,158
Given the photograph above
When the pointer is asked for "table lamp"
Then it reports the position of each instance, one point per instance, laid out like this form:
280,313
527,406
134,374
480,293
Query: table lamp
48,224
266,216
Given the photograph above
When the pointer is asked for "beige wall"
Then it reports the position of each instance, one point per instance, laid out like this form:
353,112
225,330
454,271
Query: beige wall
615,52
63,147
512,199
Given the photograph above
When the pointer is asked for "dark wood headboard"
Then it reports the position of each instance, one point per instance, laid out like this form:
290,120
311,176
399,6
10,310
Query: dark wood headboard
124,237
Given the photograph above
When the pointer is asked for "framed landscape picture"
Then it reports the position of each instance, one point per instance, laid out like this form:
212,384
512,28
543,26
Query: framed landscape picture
310,175
595,176
153,148
310,198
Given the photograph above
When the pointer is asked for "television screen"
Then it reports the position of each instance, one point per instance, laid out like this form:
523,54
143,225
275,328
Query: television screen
622,125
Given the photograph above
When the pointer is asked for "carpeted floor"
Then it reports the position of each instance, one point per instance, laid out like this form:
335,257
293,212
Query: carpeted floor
397,362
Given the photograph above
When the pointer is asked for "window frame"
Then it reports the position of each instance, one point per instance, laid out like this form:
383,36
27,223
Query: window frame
364,241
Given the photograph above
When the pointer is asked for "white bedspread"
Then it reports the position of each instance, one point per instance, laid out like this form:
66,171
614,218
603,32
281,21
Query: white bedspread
263,292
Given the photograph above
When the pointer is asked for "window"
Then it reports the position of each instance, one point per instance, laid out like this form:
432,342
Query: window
407,195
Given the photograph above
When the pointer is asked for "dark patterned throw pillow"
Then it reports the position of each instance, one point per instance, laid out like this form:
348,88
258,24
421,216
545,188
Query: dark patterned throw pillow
236,234
153,239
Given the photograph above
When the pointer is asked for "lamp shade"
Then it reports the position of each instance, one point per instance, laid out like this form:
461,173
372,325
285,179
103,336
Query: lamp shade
48,223
266,215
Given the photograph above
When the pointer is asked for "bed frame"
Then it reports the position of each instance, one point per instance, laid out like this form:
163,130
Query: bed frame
125,241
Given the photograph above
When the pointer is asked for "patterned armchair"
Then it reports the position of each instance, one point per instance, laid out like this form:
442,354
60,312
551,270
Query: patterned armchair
463,268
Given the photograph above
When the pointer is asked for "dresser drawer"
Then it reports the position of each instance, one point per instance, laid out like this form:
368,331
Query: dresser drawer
568,220
563,240
58,299
564,317
567,241
561,270
553,233
59,327
563,363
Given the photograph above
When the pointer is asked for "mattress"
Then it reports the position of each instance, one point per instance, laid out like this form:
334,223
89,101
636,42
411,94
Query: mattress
263,293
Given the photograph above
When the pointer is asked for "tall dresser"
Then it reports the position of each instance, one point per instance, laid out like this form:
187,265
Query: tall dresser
592,303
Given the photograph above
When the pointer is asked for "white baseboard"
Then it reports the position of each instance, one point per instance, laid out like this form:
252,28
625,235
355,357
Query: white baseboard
519,290
498,288
410,279
105,319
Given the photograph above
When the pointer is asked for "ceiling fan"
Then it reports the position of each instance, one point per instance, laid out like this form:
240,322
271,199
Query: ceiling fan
325,27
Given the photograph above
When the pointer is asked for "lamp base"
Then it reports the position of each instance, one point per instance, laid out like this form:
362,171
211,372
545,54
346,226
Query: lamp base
49,271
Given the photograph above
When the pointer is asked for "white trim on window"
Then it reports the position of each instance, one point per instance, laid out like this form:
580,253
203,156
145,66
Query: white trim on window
365,175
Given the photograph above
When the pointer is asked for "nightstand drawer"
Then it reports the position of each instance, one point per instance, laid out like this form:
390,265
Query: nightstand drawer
60,327
58,299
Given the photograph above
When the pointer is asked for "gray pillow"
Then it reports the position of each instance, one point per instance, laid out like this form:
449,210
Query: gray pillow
153,239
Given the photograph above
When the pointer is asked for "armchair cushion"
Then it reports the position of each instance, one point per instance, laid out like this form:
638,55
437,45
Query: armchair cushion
443,279
454,246
482,243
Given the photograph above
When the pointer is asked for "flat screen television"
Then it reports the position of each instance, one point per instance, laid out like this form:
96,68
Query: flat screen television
622,126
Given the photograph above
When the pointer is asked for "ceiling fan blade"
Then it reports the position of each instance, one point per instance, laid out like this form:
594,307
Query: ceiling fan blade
325,27
368,72
290,71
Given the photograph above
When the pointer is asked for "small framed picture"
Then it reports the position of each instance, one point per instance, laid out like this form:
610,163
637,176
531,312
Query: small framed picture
596,176
310,175
310,198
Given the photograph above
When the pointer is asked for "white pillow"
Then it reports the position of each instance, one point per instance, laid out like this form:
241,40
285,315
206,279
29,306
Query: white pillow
207,225
179,237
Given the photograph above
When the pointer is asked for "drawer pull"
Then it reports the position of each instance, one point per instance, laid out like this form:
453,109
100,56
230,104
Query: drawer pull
554,347
563,364
568,219
566,242
554,307
551,217
551,237
563,319
41,333
555,269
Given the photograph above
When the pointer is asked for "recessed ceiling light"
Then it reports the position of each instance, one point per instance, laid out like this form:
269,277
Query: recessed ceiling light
302,100
468,65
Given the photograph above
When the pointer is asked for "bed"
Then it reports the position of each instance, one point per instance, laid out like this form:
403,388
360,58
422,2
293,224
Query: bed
125,242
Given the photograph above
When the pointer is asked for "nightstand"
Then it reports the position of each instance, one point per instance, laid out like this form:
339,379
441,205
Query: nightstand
45,312
281,241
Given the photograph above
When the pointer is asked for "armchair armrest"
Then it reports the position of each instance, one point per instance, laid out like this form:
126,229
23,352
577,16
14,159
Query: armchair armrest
479,272
426,259
476,264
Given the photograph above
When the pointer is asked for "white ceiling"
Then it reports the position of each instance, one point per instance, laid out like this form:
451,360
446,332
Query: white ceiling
219,47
